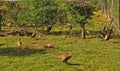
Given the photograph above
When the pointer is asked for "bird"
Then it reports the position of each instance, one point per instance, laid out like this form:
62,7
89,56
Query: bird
50,45
88,32
33,35
64,58
19,43
107,36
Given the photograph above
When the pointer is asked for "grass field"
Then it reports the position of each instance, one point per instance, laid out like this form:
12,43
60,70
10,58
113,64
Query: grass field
91,54
88,55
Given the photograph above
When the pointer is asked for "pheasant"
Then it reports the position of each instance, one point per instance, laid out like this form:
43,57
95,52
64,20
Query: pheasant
64,57
107,36
50,45
33,35
19,43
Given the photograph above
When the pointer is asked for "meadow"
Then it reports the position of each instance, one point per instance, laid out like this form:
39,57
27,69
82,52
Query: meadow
90,54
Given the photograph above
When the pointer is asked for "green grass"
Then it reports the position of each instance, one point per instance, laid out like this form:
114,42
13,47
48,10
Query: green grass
89,54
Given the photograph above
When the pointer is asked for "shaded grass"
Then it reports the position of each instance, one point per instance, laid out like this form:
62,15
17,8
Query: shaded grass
19,52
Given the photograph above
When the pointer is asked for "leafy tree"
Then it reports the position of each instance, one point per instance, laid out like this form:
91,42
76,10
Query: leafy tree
11,12
2,9
45,13
80,14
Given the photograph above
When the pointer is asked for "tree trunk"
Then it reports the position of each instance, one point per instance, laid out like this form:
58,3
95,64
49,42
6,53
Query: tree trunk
0,26
119,14
101,5
83,31
70,30
49,28
36,27
0,20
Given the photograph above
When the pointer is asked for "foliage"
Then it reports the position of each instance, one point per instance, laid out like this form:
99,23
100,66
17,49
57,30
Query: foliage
45,12
12,11
80,13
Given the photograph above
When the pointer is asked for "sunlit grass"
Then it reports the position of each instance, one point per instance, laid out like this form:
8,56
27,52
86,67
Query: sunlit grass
88,55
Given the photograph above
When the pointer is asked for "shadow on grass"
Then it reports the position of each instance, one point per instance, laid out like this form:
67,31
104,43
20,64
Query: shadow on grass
116,36
74,33
116,42
19,52
73,64
2,33
2,44
58,33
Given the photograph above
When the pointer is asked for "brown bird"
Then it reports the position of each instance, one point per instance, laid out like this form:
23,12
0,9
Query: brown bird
33,35
64,57
107,36
19,43
50,45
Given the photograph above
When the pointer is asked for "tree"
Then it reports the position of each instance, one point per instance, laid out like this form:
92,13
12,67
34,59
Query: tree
45,13
110,9
41,12
119,14
2,9
12,11
79,14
